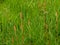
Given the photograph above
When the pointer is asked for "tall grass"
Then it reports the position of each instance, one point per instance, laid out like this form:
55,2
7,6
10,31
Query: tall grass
30,22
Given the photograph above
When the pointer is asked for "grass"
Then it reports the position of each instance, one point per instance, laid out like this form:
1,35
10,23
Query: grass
30,22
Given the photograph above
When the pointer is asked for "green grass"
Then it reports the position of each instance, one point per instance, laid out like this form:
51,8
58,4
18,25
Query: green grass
30,22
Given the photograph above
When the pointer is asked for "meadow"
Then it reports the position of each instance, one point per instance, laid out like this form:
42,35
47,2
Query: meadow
29,22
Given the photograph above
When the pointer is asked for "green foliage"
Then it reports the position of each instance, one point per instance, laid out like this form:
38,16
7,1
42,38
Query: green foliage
29,22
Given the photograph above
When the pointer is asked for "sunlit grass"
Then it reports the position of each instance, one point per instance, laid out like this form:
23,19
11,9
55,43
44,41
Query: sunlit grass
30,22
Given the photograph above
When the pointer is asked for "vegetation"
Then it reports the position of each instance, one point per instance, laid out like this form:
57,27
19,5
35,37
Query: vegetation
29,22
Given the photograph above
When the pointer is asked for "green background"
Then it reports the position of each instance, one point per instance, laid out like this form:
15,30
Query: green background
29,22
